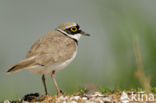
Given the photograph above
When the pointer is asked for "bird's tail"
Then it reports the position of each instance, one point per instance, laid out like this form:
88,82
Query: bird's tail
21,65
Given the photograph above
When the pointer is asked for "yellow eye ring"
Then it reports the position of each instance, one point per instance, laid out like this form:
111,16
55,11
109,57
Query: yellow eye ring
73,29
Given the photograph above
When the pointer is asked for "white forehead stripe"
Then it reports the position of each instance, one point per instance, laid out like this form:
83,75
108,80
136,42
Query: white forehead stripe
74,24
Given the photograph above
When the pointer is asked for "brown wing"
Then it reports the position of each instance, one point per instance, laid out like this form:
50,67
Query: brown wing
52,48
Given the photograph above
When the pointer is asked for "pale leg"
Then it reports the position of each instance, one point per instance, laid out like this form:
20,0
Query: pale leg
54,80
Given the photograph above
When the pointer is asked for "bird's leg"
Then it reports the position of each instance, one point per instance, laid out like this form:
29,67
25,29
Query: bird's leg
54,80
44,84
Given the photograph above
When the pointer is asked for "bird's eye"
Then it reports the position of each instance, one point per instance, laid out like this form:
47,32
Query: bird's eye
74,29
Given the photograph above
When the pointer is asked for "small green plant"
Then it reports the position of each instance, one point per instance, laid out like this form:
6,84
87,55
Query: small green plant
106,90
83,91
140,89
134,90
154,90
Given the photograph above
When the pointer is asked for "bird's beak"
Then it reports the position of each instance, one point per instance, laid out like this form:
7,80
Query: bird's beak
84,34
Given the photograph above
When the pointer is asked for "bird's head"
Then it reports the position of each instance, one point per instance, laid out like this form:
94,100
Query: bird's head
72,30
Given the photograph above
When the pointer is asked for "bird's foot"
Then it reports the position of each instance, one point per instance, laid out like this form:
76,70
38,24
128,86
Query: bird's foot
60,92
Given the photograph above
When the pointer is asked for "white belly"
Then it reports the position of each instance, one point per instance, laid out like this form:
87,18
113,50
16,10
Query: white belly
47,70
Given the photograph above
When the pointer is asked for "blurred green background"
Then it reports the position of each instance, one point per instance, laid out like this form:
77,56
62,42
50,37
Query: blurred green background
105,59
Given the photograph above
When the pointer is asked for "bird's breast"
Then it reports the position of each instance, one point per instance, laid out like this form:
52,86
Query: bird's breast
59,66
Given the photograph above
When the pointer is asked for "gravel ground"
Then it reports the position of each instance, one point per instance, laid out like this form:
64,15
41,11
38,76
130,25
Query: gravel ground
96,97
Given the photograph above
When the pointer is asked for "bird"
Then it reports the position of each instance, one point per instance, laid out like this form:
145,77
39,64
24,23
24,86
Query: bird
52,52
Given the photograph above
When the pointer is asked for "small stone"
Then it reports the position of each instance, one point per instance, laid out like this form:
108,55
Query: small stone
84,98
64,102
73,102
6,101
77,97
